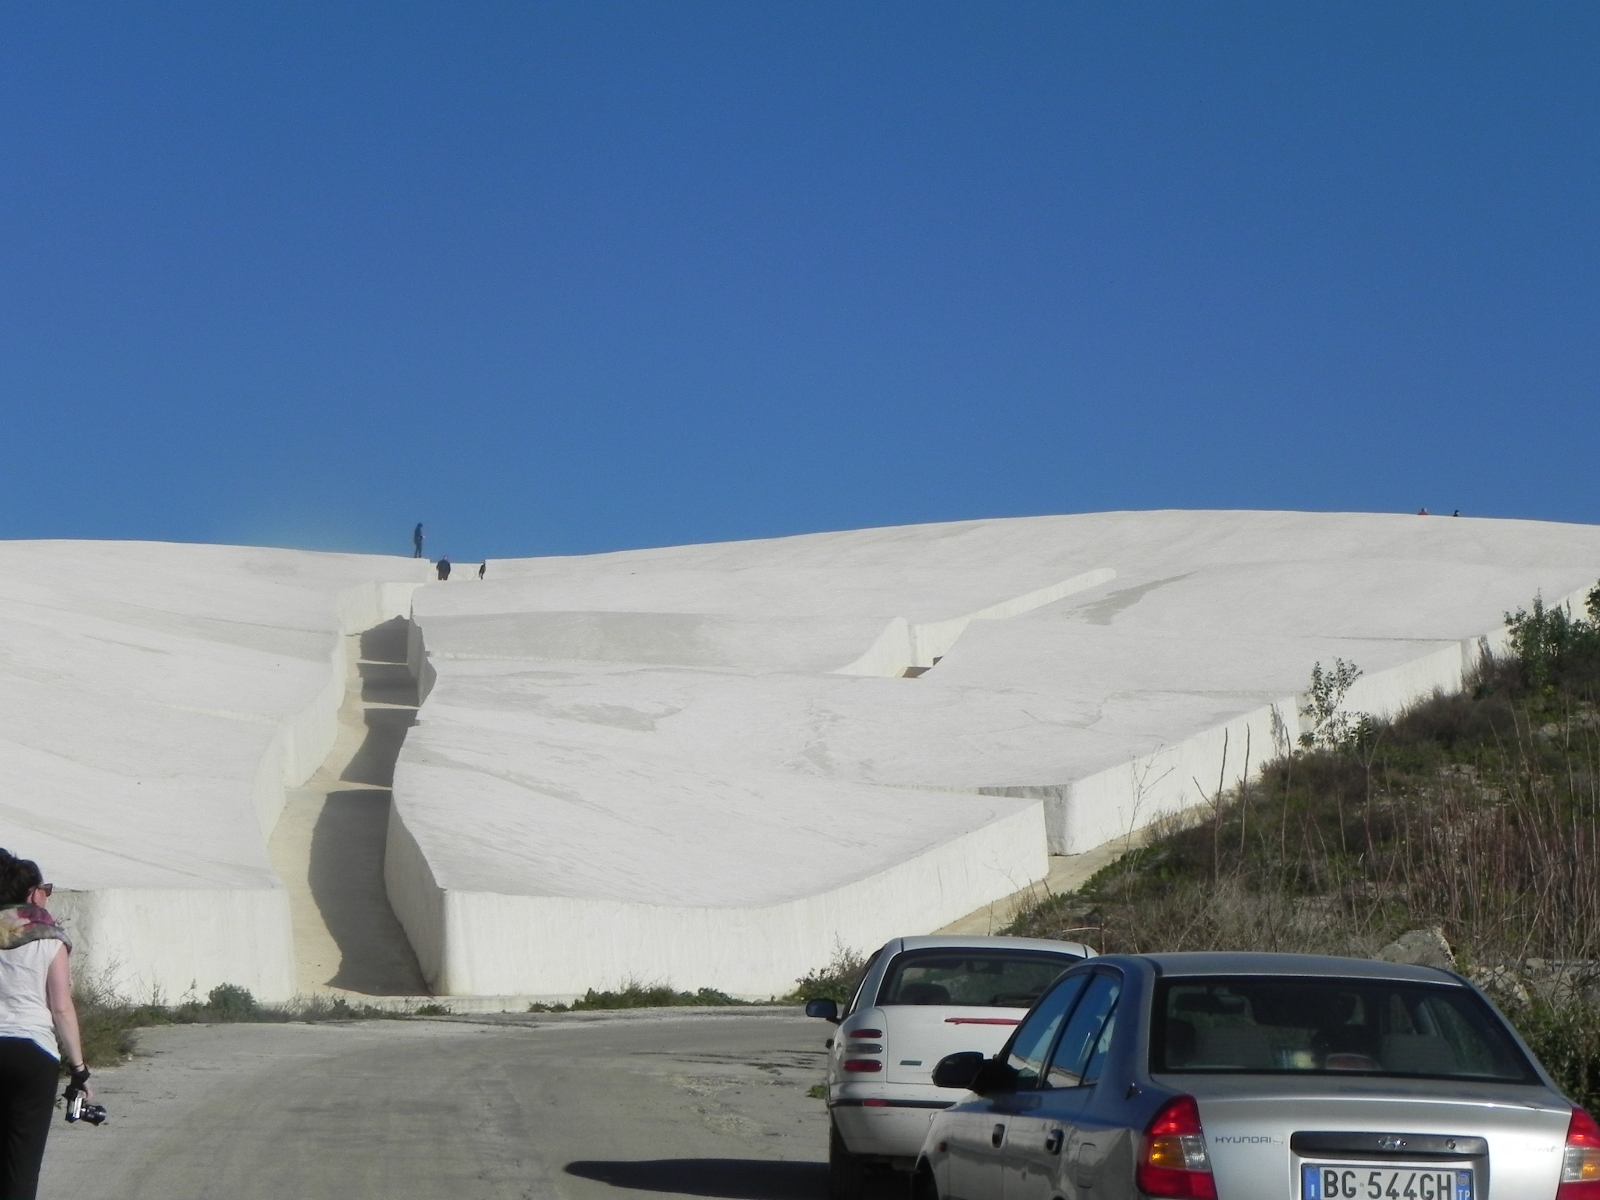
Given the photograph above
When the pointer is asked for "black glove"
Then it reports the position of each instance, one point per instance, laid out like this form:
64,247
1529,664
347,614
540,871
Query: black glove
77,1083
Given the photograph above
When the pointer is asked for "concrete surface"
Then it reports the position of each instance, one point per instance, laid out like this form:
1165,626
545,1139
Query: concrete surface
697,765
1068,873
711,765
575,1108
156,700
328,846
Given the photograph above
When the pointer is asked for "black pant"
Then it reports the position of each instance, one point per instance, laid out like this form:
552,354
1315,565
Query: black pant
27,1099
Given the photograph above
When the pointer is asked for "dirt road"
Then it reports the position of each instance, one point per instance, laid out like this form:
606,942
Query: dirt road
581,1107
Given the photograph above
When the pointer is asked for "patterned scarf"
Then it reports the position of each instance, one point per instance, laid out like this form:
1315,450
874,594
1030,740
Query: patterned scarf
24,923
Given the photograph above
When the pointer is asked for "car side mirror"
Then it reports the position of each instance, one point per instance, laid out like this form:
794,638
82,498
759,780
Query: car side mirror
994,1077
958,1070
828,1010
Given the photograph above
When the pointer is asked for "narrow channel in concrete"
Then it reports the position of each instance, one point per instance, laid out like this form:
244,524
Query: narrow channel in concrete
328,846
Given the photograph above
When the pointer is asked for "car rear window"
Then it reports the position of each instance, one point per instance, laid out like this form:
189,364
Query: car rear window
1330,1026
976,978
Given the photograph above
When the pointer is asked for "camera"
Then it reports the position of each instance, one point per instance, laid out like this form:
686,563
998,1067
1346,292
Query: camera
77,1110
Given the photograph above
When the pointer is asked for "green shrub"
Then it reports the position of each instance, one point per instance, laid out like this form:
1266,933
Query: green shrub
637,995
1554,650
836,981
105,1026
1566,1038
230,1002
1332,728
1476,812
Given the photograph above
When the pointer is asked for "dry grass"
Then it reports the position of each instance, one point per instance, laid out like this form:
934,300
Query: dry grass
1476,813
107,1021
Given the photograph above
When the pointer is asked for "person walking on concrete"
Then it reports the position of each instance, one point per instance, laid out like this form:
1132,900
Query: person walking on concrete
416,541
482,567
444,569
38,1024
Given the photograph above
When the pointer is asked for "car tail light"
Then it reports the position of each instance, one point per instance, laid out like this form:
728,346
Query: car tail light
1174,1160
862,1064
1580,1169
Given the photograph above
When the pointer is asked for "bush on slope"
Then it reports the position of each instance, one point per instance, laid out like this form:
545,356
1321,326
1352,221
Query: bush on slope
1477,813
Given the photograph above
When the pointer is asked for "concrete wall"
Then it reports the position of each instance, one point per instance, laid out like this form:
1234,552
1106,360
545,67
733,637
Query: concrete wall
595,705
480,943
169,944
176,942
1124,799
904,644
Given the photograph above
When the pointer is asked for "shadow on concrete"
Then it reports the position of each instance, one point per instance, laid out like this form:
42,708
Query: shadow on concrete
386,643
732,1178
373,763
387,683
346,878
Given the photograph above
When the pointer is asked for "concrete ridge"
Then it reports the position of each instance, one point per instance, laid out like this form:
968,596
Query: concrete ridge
904,647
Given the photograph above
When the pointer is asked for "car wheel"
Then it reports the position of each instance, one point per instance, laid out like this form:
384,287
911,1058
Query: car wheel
923,1185
846,1176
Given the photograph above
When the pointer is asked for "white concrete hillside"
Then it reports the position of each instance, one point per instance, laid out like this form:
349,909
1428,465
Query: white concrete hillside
155,700
704,764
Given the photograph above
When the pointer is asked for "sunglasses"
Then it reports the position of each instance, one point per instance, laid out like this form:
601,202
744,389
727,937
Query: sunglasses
47,888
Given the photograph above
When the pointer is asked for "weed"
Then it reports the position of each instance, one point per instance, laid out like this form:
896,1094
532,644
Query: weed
103,1024
1332,728
836,981
1476,812
634,994
107,1021
1566,1039
638,995
230,1002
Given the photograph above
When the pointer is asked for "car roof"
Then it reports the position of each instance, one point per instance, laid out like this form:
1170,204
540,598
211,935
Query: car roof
1238,963
974,942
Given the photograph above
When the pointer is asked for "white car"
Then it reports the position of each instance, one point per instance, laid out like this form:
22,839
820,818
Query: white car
920,999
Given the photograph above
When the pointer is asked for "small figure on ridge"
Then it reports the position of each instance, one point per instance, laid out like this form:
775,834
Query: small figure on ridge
416,541
482,567
444,568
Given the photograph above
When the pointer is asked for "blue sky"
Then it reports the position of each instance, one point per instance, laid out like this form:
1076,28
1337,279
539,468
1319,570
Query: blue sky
558,278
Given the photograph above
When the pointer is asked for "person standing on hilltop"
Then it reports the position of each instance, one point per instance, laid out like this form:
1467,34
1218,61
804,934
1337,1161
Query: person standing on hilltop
444,568
416,541
38,1023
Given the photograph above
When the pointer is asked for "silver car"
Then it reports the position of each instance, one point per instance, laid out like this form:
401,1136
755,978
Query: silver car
1257,1076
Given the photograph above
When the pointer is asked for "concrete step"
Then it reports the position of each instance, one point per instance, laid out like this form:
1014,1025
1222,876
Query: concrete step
328,846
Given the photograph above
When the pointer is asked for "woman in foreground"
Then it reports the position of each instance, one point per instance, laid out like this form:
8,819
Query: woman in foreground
38,1023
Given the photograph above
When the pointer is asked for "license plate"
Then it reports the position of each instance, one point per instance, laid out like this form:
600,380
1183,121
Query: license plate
1345,1181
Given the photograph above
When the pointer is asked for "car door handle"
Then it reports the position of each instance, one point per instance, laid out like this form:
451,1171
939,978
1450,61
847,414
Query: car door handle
1052,1142
998,1136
